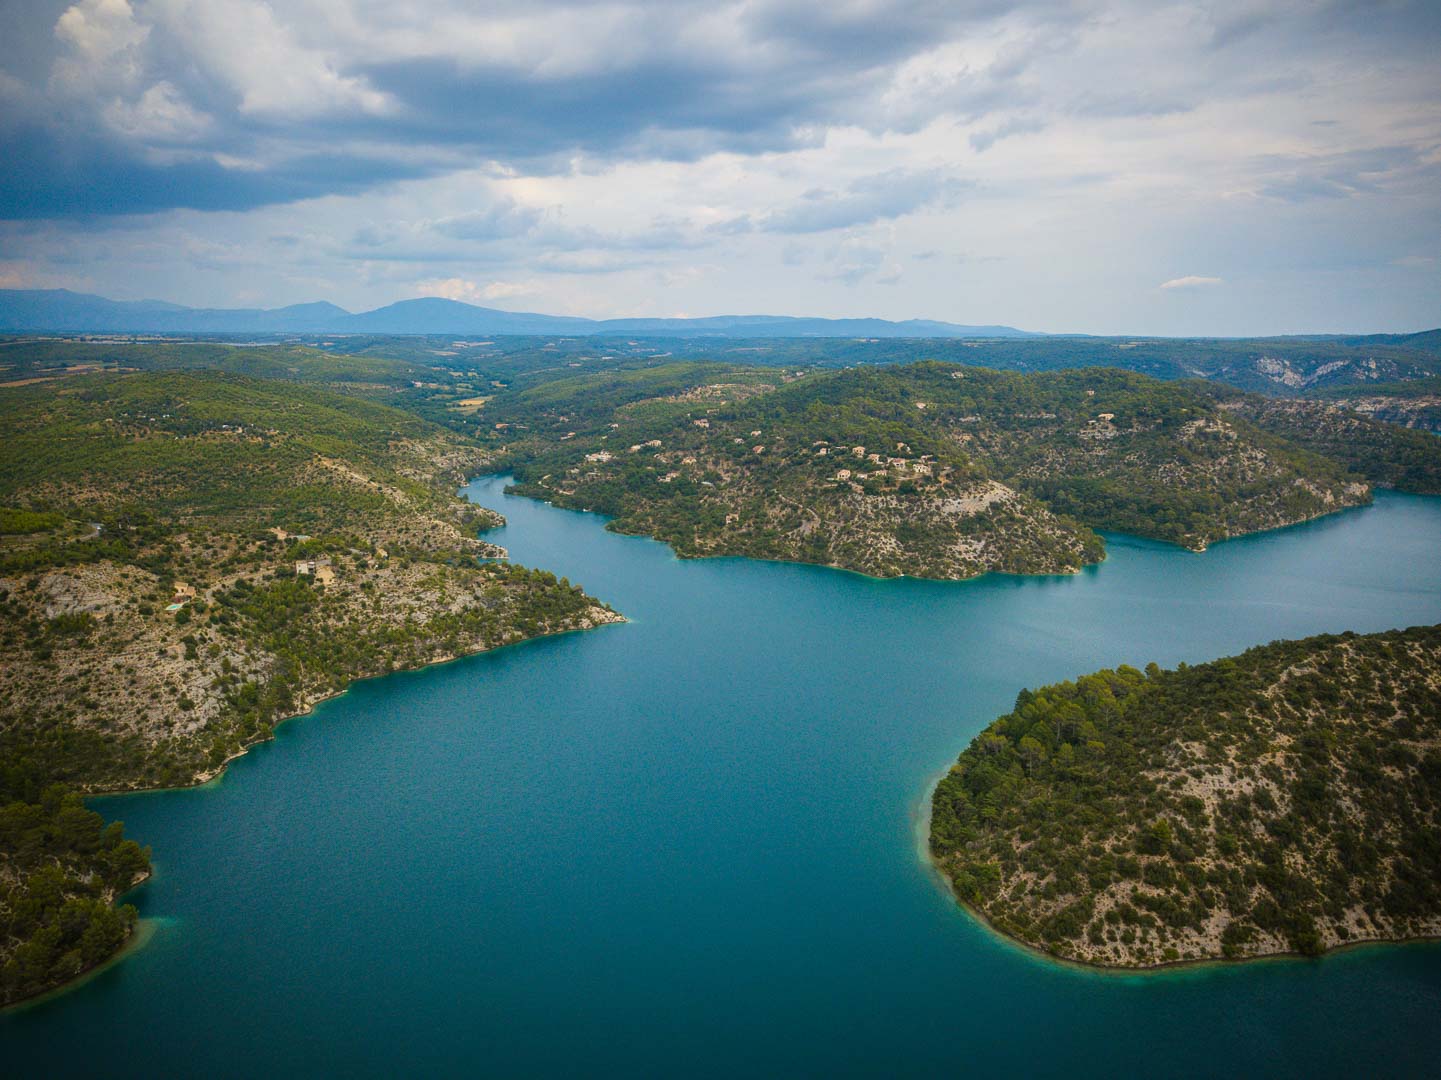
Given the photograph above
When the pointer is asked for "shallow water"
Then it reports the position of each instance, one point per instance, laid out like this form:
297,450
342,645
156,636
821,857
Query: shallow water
689,843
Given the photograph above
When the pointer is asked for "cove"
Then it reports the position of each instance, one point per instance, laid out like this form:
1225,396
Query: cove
688,844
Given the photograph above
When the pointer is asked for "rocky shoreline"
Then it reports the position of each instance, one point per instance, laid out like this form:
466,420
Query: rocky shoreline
596,617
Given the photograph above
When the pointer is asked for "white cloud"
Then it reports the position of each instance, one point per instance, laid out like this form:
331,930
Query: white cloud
102,42
99,29
120,56
1190,281
159,115
505,290
472,292
274,72
503,218
855,260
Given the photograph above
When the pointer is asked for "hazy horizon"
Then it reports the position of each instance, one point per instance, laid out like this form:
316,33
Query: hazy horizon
1227,169
800,316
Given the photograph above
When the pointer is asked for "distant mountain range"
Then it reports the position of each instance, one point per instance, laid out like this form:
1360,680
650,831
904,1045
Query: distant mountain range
63,311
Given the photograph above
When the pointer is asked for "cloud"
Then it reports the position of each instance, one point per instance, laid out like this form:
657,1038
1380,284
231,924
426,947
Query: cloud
99,34
1191,281
156,92
1343,175
1229,31
801,153
592,262
276,75
864,201
59,181
444,85
982,141
159,115
854,261
472,292
505,218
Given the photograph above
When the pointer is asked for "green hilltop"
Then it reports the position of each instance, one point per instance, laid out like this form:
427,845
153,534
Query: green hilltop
930,469
1284,800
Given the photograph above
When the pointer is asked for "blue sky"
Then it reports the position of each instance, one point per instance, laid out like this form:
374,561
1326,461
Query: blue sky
1226,168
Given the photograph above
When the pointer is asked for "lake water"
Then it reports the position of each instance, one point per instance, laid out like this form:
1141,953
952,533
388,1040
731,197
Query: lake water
690,845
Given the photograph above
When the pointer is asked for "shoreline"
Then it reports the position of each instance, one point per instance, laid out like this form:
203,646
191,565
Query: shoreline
1370,501
139,937
144,928
609,519
1111,971
680,557
213,777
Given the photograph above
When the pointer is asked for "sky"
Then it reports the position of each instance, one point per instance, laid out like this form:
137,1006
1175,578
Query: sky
1222,168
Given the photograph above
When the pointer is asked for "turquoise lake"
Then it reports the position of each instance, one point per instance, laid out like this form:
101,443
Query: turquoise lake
690,845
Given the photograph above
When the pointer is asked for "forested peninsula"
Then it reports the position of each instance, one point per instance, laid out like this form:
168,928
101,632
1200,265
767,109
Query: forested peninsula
1287,800
937,470
187,558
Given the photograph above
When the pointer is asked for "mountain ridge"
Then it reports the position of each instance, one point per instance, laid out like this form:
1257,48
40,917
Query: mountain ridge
65,311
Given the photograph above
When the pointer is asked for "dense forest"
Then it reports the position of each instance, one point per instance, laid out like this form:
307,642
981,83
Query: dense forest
1284,800
62,866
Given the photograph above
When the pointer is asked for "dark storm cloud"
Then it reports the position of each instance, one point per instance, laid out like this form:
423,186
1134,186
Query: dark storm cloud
493,115
52,177
803,64
113,108
109,107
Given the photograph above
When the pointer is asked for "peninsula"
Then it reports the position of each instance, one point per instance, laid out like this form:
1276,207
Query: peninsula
1287,800
935,470
187,558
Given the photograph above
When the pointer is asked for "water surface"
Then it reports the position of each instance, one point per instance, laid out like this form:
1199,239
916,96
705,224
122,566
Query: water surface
687,845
